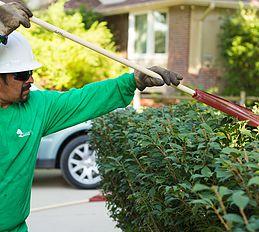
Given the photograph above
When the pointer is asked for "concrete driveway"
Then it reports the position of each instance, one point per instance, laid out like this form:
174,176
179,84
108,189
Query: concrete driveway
56,206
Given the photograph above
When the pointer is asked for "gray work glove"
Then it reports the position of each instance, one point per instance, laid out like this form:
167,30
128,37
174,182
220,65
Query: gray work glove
169,77
12,15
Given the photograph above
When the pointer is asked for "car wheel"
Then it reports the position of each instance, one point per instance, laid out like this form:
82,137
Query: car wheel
78,164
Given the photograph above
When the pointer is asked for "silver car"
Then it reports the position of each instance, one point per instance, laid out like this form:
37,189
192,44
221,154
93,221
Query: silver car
70,151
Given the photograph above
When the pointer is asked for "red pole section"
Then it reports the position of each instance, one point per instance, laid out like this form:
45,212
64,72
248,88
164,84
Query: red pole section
239,112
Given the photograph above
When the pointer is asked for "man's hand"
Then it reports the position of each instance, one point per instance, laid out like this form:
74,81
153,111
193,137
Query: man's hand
143,81
12,15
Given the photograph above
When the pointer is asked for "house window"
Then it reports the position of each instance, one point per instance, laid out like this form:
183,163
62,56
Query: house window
148,34
140,34
160,32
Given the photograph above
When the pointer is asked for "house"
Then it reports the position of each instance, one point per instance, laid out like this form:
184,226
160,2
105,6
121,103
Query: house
181,35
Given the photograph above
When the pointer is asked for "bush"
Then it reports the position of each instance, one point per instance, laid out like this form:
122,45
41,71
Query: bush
67,64
181,168
240,51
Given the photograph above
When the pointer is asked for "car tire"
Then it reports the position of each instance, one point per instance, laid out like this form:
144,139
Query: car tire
78,164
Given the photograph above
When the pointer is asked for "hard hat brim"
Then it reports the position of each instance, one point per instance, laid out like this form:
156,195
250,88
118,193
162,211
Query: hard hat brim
24,67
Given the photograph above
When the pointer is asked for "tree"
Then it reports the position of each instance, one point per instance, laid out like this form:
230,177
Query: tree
89,16
65,63
240,51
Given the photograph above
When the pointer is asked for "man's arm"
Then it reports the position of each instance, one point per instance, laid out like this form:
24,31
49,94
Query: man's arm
78,105
65,109
12,15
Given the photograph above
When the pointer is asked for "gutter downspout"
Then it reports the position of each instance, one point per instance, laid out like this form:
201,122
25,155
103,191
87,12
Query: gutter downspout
208,10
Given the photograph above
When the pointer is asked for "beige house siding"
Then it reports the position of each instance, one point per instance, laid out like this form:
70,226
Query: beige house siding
204,39
210,39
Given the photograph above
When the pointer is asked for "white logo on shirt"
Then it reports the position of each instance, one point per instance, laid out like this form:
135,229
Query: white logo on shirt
23,134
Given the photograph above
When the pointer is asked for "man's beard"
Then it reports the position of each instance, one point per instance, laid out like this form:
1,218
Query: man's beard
24,98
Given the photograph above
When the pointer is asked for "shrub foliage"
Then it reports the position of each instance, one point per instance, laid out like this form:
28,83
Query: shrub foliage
240,51
180,168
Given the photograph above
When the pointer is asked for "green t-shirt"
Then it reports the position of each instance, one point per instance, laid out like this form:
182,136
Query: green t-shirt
23,125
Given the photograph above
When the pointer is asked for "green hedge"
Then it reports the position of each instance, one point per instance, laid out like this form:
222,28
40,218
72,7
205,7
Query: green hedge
180,168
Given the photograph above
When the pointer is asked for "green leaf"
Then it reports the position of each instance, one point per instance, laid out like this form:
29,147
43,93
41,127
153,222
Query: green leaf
195,176
173,158
167,189
229,150
240,199
254,180
185,186
246,132
199,187
168,200
253,224
201,146
223,174
206,172
215,145
197,167
202,202
224,191
145,144
152,192
207,127
231,217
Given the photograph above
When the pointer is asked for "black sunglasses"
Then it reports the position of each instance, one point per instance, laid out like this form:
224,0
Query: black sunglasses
22,76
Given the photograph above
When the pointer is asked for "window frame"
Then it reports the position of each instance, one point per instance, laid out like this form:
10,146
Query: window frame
150,53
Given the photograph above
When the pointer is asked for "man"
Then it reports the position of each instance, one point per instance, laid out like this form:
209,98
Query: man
27,116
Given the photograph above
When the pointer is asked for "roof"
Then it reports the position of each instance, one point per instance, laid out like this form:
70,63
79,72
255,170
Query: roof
127,6
32,4
130,5
8,1
90,4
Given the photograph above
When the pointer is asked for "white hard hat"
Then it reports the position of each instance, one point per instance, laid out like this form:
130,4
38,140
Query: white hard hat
17,55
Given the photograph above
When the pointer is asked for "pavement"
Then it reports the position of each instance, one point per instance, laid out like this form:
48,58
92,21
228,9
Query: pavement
56,206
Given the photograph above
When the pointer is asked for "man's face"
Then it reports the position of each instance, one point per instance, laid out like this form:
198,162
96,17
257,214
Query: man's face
12,90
